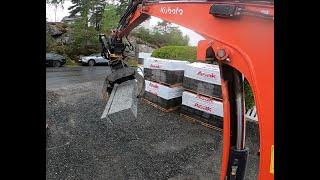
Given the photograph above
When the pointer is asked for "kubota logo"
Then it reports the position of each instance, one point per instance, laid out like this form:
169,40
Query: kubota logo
206,108
168,10
154,85
211,75
155,65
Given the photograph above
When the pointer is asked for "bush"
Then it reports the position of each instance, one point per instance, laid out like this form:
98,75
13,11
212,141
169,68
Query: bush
248,95
70,62
188,53
171,36
49,42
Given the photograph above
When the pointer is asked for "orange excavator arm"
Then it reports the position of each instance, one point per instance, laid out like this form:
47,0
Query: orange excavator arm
241,35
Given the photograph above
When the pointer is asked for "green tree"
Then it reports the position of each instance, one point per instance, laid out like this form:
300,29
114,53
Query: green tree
185,53
164,27
97,12
110,18
93,10
77,7
84,40
176,38
49,42
122,6
164,34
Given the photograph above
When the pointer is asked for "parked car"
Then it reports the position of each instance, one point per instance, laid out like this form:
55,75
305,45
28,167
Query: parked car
55,60
93,59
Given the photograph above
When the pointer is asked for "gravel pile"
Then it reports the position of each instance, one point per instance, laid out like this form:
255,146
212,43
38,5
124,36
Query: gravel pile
157,146
51,97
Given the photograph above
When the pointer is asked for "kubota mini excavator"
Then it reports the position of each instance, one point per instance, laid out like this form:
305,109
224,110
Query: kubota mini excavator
240,36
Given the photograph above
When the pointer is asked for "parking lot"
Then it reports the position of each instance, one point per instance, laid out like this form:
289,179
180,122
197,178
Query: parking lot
158,146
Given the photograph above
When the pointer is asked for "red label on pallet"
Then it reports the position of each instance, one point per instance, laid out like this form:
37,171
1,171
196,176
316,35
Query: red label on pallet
203,72
162,90
155,66
202,103
211,75
153,85
205,108
204,98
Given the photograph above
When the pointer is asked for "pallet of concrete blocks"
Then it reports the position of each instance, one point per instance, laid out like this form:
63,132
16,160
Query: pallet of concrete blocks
163,97
164,71
203,79
204,110
143,56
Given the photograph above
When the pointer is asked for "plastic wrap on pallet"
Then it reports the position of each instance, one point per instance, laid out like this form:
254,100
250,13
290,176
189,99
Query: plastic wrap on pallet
202,87
202,103
162,90
163,103
144,55
204,72
164,64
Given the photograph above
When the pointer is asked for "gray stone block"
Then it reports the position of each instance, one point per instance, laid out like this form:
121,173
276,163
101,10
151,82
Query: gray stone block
120,73
140,60
163,76
122,103
164,103
202,87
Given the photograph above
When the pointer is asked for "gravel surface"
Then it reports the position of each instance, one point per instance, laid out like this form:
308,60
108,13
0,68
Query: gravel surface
157,146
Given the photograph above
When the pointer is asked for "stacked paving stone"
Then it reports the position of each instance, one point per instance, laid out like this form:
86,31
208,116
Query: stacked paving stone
164,76
202,94
143,56
163,81
165,71
203,78
162,95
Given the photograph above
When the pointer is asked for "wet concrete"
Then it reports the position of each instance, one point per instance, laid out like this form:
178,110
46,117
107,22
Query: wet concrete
158,146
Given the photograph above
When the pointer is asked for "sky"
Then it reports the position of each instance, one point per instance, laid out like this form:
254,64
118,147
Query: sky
56,14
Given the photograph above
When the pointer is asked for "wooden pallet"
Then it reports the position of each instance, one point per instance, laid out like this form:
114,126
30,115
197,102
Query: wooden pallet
159,107
171,85
194,121
197,93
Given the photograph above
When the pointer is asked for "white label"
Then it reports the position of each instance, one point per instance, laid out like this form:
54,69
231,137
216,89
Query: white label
202,103
203,72
164,64
163,91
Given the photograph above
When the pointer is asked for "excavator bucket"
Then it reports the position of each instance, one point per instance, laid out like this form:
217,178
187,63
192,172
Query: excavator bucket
122,101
